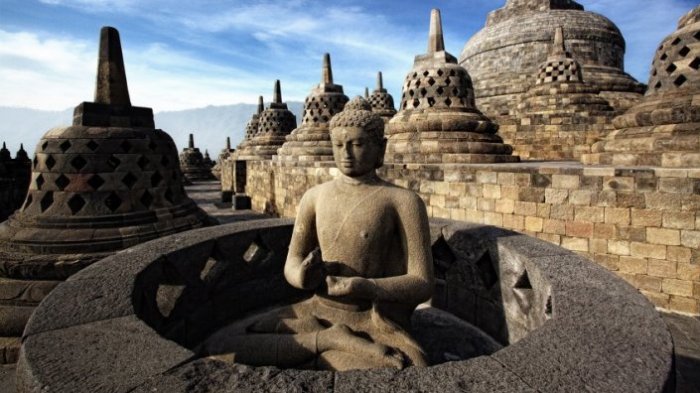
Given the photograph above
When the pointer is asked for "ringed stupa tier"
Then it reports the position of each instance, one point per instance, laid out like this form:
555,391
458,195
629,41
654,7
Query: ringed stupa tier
382,102
194,165
504,56
311,140
438,121
274,124
561,116
108,182
663,129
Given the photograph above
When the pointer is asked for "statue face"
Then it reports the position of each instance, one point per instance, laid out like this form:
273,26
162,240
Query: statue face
355,152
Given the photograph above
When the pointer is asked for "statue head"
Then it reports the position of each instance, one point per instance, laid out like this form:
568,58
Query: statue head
358,140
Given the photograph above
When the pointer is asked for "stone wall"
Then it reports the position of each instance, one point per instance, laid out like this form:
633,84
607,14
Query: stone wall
642,223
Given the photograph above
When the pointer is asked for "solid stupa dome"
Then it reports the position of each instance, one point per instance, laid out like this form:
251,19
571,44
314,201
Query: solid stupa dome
504,56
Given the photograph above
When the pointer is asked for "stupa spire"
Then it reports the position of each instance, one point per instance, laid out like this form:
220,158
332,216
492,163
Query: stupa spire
261,105
327,72
277,94
366,93
380,81
228,143
191,142
111,87
558,48
436,41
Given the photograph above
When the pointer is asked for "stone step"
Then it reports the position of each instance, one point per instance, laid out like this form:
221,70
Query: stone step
9,349
27,293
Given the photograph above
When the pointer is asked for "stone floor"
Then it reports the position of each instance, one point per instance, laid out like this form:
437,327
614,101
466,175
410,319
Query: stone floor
685,330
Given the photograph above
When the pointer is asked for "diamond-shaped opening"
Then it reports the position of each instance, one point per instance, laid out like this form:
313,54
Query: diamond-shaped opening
680,81
78,162
487,273
663,57
426,73
146,199
36,161
684,51
440,90
448,81
417,84
455,91
431,81
44,145
164,161
523,282
671,68
448,102
75,203
92,145
142,162
113,202
423,92
156,179
65,146
657,85
697,35
452,73
39,181
113,162
50,162
169,196
28,201
695,64
416,103
431,101
62,182
96,181
676,41
440,72
46,201
129,180
126,146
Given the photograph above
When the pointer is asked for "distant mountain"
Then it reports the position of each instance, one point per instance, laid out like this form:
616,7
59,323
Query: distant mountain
210,125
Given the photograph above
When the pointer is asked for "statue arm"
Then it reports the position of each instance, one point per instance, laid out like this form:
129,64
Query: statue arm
304,267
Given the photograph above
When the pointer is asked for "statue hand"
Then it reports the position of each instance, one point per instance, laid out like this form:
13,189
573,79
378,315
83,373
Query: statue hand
312,270
356,287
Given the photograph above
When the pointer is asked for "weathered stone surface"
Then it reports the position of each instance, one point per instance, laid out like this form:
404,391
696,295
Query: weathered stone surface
193,164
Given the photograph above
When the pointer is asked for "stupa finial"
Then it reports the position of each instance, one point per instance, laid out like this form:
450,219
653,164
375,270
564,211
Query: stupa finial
327,72
111,87
436,41
366,93
380,81
228,143
277,95
261,105
191,143
558,47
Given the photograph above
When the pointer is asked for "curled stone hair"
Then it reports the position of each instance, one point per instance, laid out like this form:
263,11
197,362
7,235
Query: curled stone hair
358,113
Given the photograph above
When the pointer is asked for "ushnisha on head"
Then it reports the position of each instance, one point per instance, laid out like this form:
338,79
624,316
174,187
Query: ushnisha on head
358,140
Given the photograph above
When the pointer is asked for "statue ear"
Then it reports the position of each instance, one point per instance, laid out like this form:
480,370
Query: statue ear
382,151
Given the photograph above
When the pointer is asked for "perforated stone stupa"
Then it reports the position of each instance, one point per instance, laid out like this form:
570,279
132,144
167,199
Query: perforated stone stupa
194,165
504,56
438,121
223,156
663,129
382,102
14,180
561,115
108,182
311,140
274,124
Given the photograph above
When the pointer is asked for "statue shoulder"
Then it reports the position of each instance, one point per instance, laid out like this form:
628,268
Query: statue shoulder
405,197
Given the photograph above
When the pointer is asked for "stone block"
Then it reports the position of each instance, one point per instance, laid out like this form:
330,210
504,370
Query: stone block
562,212
492,191
676,287
534,224
658,299
487,177
662,201
619,247
679,220
571,182
506,206
598,246
690,239
526,208
554,226
495,219
581,197
618,216
686,271
610,262
590,214
647,283
646,218
669,237
604,231
662,268
647,250
678,254
684,305
632,265
579,229
554,239
575,243
618,183
556,196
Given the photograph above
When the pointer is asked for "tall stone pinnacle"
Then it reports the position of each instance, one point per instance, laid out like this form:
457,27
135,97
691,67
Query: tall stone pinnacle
277,95
366,93
380,81
111,87
228,143
191,143
261,105
327,72
436,41
558,48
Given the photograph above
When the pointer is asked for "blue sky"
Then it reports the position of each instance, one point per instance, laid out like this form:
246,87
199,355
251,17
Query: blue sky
192,54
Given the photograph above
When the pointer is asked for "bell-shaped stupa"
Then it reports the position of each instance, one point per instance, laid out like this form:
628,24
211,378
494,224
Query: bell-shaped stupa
382,102
106,183
311,140
194,165
274,124
561,116
223,156
438,121
663,129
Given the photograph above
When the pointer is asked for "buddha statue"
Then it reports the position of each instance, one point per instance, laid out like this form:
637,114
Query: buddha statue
361,248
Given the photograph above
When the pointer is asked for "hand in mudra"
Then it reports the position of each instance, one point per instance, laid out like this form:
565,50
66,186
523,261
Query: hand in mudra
312,270
355,287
